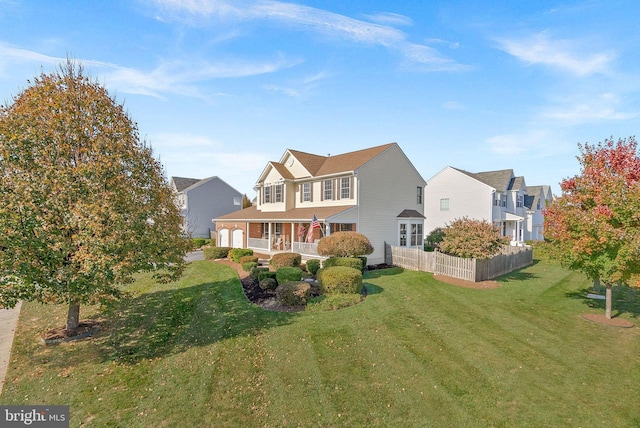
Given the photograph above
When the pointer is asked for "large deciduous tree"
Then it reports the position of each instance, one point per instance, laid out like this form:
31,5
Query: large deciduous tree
471,238
83,202
594,226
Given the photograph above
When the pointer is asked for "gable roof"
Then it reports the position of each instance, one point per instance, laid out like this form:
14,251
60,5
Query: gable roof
499,180
410,214
325,165
182,183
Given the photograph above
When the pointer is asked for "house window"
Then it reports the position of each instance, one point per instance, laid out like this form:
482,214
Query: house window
345,188
345,227
306,192
503,201
416,235
538,206
278,191
403,234
237,200
444,204
267,194
419,194
328,189
519,201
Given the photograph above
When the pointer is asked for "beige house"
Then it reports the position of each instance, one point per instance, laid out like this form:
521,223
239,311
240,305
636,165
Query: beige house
375,191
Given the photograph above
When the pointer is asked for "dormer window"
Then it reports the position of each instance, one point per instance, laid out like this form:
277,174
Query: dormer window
278,193
267,194
306,192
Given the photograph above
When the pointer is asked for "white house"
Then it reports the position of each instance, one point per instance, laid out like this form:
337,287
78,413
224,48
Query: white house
375,191
202,200
499,197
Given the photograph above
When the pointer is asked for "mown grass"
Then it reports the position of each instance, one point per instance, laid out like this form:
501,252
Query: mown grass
415,352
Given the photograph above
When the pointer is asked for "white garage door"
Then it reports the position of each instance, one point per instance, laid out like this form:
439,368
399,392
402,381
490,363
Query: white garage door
238,238
223,238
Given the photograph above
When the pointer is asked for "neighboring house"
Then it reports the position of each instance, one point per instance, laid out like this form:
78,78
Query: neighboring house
375,191
498,197
200,201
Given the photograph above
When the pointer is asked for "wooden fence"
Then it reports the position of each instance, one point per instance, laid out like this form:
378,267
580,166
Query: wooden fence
512,258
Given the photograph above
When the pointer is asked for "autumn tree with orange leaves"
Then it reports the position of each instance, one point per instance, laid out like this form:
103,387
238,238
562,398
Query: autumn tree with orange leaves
83,203
594,227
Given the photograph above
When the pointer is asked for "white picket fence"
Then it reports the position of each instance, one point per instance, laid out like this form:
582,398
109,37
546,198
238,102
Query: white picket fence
510,259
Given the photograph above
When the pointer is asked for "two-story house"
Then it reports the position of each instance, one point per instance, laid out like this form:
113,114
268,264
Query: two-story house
499,197
201,200
375,191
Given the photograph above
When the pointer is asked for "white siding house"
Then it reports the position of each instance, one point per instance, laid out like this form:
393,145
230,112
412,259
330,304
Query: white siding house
375,191
499,197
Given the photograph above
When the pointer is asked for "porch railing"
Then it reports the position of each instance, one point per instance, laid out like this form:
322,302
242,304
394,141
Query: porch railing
259,243
305,248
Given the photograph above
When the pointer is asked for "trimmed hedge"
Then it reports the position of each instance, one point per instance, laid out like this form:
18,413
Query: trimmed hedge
249,266
256,271
262,274
268,284
246,259
236,253
339,279
352,262
288,274
211,253
313,266
293,293
281,260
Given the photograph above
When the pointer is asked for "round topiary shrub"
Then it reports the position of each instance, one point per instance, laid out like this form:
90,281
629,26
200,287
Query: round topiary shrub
293,293
268,284
313,266
285,260
288,274
339,279
212,253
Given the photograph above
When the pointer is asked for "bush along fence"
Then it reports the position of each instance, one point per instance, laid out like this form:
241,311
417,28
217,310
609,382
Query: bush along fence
475,270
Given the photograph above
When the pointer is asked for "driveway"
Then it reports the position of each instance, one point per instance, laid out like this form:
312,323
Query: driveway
8,323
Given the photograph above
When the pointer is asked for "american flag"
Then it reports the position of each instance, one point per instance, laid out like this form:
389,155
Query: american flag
315,224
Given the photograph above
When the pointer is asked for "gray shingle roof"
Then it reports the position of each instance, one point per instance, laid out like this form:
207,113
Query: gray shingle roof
182,183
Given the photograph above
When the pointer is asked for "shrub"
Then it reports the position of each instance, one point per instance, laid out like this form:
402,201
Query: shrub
339,279
288,274
249,266
266,274
215,252
345,244
293,293
256,271
268,284
285,260
246,259
198,242
472,238
352,262
333,302
313,265
236,253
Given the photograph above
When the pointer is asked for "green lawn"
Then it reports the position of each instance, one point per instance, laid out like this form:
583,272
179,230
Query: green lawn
416,352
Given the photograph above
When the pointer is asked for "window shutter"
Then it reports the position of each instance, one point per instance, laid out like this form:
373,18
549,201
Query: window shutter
351,188
322,190
337,190
301,190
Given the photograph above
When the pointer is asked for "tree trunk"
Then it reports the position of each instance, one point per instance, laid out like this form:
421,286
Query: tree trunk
609,296
73,316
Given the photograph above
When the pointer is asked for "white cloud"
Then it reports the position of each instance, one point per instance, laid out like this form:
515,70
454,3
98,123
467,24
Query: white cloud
208,12
530,142
389,18
178,77
454,105
567,55
603,107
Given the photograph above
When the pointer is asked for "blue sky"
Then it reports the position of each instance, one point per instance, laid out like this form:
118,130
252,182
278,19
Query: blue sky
222,87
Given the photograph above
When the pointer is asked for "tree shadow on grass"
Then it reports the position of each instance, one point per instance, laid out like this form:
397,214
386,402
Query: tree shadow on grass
165,322
516,276
377,273
625,299
372,288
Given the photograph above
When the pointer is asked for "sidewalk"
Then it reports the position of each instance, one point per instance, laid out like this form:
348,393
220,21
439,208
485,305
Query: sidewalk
8,323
